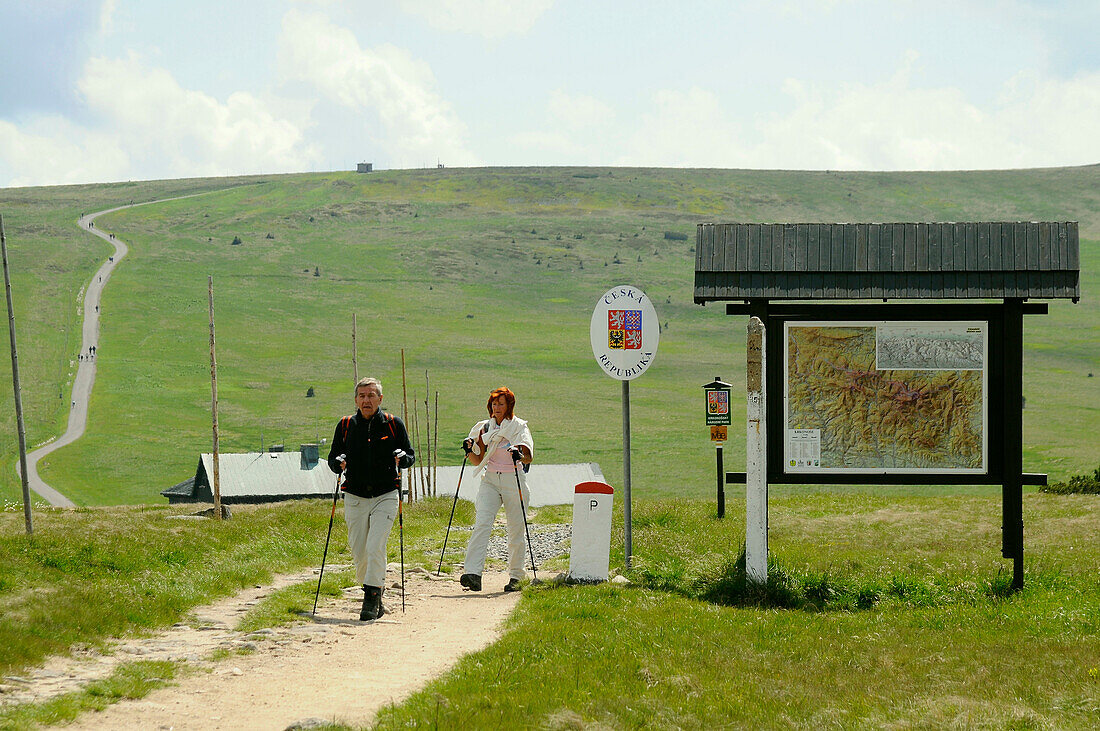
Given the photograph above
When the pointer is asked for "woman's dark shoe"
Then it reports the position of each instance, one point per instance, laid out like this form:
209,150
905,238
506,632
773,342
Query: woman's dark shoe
471,581
372,603
512,585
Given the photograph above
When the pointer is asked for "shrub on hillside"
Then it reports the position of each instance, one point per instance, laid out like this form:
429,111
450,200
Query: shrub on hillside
1076,485
675,236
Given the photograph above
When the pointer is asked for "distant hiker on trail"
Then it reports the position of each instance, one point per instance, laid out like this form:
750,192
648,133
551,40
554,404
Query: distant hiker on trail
497,446
368,447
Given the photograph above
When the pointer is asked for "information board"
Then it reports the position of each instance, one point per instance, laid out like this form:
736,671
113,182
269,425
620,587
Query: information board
885,396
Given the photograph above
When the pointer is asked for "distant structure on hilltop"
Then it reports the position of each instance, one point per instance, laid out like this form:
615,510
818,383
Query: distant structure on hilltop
365,167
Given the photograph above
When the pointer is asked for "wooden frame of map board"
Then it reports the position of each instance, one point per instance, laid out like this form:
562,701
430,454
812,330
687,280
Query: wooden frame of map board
1003,431
1004,350
880,397
798,266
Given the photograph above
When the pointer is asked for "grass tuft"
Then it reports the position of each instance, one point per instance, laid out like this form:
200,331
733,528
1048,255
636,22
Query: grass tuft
727,584
129,681
1076,485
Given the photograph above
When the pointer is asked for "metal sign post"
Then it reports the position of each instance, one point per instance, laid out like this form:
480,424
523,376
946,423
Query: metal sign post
718,419
624,333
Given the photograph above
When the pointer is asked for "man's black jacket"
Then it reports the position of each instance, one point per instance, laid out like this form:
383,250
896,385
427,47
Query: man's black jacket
368,446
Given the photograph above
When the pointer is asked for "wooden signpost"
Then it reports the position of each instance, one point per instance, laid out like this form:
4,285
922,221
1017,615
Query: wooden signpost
21,429
216,485
756,451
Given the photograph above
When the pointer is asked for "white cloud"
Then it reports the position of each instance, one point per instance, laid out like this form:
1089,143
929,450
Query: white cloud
888,126
685,129
107,16
58,152
487,18
184,132
1060,118
417,124
1034,122
579,111
575,131
145,125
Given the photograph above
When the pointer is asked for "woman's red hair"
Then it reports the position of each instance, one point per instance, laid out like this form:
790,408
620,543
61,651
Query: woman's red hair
509,398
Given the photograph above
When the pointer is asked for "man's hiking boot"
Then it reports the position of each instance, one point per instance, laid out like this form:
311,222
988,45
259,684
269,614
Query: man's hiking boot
372,603
471,581
512,585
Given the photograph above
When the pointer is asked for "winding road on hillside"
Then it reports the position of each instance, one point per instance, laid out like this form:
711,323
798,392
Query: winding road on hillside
86,362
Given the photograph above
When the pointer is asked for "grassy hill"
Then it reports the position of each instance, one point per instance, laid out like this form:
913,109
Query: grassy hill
484,277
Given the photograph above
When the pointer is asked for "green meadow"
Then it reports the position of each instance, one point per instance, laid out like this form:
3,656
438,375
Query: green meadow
886,606
880,611
484,277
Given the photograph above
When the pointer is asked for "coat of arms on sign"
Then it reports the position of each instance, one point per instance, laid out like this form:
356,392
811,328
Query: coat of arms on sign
624,329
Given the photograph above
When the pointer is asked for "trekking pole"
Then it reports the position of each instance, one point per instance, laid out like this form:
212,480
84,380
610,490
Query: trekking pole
400,527
335,497
530,546
453,506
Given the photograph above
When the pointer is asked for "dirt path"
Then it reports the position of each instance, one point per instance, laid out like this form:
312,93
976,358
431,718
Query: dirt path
334,668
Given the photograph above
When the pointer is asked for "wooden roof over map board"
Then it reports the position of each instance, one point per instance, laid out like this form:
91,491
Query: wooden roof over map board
825,261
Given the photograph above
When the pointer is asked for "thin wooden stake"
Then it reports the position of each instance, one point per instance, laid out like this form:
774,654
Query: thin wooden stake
427,433
416,430
214,405
435,448
18,393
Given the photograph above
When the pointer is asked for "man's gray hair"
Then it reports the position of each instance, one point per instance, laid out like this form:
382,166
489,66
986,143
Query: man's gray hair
368,382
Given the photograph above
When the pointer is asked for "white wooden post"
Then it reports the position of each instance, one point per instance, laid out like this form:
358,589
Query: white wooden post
756,482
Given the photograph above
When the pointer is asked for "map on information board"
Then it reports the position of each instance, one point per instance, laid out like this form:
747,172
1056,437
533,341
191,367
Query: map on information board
885,396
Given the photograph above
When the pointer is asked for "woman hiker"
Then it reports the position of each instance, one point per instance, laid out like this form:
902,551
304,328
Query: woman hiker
368,447
497,447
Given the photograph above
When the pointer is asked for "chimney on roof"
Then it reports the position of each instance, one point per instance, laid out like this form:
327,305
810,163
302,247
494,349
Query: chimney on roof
311,453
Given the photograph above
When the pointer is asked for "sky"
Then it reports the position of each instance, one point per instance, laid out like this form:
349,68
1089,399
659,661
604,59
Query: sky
114,90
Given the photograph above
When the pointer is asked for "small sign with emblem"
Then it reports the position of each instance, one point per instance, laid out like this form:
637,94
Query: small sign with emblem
718,434
718,403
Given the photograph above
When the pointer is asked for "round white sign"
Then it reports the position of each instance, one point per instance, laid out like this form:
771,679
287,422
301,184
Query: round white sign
624,332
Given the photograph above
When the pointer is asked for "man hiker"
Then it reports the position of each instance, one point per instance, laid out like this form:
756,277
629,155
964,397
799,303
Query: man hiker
498,446
368,447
